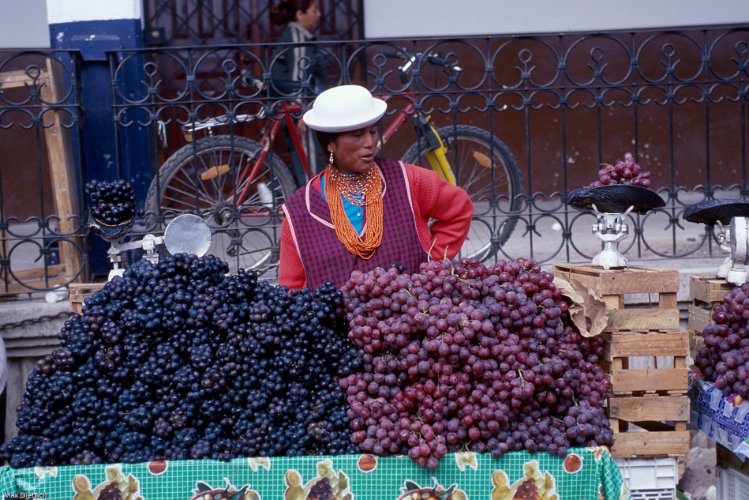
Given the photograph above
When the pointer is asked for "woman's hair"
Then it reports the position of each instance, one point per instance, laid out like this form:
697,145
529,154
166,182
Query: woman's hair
325,138
285,11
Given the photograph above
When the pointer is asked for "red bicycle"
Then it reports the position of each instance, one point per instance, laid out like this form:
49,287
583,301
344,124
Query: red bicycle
238,184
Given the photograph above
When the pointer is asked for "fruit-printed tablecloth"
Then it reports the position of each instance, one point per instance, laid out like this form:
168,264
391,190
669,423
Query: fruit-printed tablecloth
724,419
586,473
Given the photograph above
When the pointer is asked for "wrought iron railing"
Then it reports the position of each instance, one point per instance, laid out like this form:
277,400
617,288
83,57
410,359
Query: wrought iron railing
41,231
561,105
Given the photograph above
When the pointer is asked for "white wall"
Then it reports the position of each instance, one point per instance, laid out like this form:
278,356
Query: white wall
413,18
23,24
66,11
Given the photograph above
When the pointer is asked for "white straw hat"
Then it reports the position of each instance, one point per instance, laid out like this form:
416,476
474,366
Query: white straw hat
344,108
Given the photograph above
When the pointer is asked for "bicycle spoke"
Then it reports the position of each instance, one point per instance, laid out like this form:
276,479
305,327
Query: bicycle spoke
220,160
189,196
213,180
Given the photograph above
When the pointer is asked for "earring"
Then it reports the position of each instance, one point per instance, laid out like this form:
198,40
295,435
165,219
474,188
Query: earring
331,160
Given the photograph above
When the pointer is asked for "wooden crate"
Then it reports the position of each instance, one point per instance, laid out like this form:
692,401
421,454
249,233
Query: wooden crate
649,425
696,342
614,285
648,408
625,379
79,292
704,293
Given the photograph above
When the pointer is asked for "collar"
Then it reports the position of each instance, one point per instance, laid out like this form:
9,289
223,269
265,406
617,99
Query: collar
295,25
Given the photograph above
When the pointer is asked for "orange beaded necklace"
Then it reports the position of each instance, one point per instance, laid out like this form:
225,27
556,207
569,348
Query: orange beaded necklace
362,190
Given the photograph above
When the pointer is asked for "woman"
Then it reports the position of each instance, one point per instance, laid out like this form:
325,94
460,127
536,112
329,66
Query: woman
361,212
300,63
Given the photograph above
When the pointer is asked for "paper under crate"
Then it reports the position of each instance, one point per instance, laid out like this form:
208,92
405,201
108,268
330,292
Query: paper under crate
613,286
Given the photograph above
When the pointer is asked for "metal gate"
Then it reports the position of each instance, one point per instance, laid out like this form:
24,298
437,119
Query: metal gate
216,22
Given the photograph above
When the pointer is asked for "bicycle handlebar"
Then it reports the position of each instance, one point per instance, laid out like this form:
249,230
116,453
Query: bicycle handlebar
430,57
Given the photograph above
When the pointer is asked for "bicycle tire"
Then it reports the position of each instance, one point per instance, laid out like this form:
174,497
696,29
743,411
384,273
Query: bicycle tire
462,141
179,189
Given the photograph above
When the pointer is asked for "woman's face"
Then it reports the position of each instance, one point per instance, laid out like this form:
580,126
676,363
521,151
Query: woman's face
309,18
355,151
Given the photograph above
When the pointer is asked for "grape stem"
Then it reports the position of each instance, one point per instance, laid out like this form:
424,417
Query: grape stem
429,253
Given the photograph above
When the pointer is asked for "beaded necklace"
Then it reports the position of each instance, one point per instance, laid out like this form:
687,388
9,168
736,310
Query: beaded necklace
354,186
361,190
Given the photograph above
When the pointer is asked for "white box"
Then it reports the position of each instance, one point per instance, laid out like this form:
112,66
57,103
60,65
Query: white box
650,478
731,484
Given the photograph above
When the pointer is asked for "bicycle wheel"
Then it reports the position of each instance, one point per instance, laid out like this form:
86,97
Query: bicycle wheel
486,168
203,178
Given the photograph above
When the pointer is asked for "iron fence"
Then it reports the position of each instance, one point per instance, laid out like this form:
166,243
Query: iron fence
41,231
558,106
532,118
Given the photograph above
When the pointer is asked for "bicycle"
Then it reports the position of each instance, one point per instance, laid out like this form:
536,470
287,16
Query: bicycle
238,184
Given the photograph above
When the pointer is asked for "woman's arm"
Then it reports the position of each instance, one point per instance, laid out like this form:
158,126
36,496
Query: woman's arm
449,206
290,267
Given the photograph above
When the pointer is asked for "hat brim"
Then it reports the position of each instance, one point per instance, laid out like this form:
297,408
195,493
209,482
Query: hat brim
353,123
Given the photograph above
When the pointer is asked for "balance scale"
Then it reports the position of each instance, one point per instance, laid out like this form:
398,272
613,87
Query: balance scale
611,206
186,233
731,217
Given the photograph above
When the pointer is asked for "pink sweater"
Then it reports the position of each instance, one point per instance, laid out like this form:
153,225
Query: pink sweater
431,198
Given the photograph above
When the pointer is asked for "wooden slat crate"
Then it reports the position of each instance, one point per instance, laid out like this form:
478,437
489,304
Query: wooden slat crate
705,292
614,285
79,292
621,346
696,342
648,407
661,425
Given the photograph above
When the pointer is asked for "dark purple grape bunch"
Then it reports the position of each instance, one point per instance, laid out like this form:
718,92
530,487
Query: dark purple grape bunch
623,172
178,361
111,202
464,356
725,358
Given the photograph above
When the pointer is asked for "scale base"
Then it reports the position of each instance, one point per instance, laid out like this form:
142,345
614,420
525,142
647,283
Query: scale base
737,276
609,259
725,267
115,272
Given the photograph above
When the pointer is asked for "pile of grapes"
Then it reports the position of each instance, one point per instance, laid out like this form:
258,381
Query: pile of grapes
179,361
463,356
112,202
725,358
624,172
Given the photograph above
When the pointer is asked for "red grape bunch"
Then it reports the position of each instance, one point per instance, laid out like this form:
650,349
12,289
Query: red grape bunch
623,172
461,355
725,358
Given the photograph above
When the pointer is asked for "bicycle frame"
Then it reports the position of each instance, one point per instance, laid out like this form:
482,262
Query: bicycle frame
437,153
287,109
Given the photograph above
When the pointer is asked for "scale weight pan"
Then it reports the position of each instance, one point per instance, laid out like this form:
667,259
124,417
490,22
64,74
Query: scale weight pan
616,198
187,233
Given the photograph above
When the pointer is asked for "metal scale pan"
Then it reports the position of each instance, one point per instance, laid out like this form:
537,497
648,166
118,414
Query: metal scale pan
611,205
